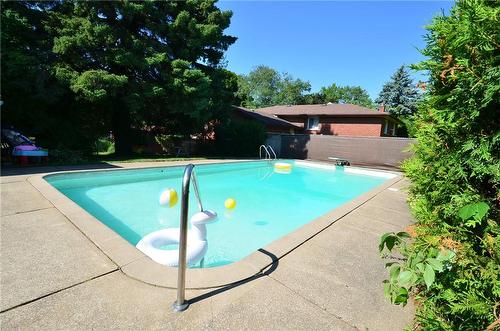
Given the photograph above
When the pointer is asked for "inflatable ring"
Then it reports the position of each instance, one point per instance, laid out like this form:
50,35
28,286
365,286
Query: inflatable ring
197,243
152,243
283,166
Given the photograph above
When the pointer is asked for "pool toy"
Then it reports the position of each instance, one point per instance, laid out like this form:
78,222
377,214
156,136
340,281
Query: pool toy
168,197
197,243
22,149
230,203
282,168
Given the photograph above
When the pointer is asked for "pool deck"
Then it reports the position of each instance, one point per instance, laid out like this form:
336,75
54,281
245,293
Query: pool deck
54,277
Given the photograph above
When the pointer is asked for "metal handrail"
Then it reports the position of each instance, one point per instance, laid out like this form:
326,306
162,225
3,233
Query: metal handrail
272,150
181,304
267,155
196,190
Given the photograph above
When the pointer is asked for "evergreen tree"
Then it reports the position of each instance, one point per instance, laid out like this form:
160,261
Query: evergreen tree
400,94
455,177
121,64
142,61
31,100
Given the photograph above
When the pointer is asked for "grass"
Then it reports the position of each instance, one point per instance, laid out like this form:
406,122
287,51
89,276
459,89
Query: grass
111,158
139,158
106,153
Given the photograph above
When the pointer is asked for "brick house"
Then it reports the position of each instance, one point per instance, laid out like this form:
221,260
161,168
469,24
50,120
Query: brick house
336,119
272,123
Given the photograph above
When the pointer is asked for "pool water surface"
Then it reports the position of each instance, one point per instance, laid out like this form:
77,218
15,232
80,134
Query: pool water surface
269,204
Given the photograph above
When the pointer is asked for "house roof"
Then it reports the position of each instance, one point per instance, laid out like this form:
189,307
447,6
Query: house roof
335,109
267,119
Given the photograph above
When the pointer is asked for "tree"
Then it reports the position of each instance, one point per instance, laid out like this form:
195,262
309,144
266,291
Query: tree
141,61
291,91
400,94
242,95
24,50
131,63
455,177
314,98
264,87
347,94
32,100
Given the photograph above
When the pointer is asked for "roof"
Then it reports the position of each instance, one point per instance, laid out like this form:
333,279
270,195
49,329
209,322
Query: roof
267,119
334,109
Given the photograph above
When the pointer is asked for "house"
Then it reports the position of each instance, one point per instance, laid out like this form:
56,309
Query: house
272,123
335,119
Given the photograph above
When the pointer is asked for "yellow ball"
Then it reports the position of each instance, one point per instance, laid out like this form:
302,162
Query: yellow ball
230,203
168,198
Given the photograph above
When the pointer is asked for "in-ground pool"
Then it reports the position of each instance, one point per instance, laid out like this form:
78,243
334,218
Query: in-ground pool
269,204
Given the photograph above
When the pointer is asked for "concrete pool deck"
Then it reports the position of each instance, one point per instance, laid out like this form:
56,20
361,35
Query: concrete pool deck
54,277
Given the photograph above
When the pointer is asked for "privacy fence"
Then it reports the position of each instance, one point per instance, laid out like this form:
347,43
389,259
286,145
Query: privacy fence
378,151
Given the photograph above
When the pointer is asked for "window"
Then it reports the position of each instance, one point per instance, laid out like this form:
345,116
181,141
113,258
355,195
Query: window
392,129
313,123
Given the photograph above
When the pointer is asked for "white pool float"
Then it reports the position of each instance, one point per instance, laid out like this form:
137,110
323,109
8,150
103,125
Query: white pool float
197,243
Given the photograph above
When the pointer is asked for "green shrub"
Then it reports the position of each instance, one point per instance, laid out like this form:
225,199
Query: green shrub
451,263
67,156
105,146
168,142
239,138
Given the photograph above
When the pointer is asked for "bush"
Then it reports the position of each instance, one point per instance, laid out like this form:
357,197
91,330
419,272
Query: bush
239,138
452,264
105,146
67,156
168,142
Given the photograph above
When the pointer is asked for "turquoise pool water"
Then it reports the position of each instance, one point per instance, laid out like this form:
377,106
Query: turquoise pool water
269,204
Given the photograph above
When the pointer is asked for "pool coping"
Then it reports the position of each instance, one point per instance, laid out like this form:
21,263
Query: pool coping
137,265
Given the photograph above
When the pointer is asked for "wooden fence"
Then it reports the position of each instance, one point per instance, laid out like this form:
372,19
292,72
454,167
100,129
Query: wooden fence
375,151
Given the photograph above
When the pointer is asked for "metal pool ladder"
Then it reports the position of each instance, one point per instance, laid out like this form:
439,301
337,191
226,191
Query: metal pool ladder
267,155
181,304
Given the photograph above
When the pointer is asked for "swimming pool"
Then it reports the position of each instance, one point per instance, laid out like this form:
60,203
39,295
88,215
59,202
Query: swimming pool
269,204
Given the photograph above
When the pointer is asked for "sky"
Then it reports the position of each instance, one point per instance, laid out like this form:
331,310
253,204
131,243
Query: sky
343,42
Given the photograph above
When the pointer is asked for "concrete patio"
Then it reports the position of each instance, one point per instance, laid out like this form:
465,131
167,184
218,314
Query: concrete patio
54,277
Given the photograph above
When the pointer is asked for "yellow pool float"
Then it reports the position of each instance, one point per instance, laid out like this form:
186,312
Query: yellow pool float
282,167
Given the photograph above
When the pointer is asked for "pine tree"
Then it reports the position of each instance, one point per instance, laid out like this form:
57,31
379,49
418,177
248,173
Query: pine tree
119,65
400,94
150,61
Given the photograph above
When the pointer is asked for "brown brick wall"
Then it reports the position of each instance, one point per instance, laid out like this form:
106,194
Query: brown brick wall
356,126
342,126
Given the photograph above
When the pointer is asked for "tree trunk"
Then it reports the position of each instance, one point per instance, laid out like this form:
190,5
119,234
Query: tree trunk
122,131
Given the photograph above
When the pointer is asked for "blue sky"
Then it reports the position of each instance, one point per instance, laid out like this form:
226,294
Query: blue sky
347,43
